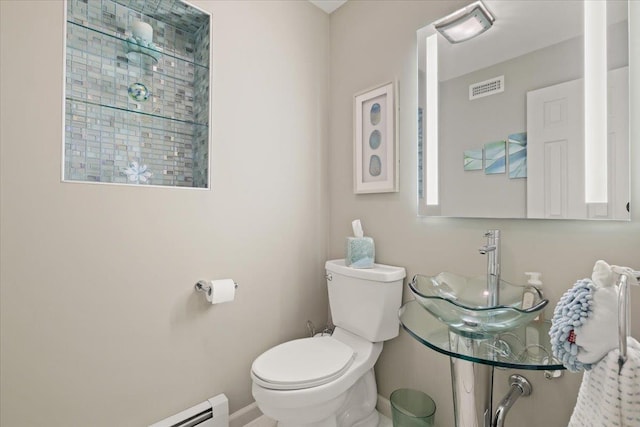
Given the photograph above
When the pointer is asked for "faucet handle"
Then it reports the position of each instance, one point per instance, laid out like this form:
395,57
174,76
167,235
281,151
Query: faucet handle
491,233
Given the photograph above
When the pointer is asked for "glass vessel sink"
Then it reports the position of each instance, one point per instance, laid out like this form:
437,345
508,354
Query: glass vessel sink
461,303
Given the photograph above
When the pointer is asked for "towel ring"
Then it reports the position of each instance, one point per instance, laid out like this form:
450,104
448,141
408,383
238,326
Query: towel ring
623,319
623,316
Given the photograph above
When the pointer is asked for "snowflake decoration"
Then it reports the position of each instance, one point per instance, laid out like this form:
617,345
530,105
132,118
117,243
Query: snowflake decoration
137,173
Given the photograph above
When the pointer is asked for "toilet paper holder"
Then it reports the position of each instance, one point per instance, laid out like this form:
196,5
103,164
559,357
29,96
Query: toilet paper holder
205,286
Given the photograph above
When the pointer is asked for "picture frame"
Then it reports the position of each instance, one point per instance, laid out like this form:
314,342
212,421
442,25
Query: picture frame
375,148
495,157
517,145
472,160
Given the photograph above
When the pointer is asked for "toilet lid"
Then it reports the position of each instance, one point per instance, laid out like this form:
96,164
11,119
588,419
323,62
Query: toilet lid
302,363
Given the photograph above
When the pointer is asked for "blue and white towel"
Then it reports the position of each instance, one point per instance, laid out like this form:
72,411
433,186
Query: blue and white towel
572,311
584,335
585,321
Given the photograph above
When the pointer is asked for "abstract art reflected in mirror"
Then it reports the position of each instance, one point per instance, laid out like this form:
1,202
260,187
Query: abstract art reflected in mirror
137,93
513,102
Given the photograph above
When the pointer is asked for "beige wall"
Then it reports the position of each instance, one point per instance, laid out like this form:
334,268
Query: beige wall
372,42
100,322
100,325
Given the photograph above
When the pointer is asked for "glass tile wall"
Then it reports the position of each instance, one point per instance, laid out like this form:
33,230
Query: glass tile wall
112,135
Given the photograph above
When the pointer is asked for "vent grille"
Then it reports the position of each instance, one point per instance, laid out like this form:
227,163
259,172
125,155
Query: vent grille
486,88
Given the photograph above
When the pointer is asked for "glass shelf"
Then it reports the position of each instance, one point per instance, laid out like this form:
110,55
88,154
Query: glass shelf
505,350
159,69
128,110
124,42
98,73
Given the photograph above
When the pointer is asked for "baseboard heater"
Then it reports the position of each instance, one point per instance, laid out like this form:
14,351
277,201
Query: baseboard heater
212,413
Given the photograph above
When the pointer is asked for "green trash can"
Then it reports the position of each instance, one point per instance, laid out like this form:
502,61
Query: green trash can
412,408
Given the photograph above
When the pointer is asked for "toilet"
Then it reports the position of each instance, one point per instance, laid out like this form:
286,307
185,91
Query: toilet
328,381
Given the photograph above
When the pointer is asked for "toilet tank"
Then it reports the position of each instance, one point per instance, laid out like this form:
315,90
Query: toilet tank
365,301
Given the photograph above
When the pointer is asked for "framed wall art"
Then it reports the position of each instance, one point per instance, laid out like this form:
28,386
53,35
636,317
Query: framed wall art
495,159
473,160
375,151
517,145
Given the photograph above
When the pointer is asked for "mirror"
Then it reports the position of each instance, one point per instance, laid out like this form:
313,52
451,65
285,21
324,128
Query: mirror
137,93
509,121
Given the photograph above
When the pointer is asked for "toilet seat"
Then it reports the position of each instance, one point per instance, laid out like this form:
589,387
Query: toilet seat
302,363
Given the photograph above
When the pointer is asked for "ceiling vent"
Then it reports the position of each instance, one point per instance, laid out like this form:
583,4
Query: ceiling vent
486,88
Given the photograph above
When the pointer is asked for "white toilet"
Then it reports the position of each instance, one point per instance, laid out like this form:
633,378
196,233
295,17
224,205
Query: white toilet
328,381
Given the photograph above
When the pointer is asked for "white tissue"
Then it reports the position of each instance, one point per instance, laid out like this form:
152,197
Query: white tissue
357,228
223,290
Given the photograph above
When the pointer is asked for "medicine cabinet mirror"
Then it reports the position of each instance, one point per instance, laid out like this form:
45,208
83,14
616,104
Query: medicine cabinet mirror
137,93
529,119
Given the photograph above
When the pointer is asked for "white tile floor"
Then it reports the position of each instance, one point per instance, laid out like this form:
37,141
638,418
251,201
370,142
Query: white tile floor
263,421
384,422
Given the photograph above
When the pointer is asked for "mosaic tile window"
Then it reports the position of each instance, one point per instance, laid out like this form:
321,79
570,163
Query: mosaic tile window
136,105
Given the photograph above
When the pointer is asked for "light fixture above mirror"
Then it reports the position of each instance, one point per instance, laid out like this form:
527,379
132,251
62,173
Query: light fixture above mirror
466,23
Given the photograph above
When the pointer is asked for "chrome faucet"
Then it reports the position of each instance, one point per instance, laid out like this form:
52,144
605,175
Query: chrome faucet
492,250
520,386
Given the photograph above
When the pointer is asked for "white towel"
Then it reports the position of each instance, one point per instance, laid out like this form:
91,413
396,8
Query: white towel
607,398
599,333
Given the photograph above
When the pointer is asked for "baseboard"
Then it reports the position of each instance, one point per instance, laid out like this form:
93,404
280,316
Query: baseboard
384,406
244,416
251,412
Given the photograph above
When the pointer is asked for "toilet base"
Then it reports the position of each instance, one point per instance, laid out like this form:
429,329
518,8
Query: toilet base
358,408
371,421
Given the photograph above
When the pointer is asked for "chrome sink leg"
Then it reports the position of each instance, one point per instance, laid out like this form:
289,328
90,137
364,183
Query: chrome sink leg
472,385
520,386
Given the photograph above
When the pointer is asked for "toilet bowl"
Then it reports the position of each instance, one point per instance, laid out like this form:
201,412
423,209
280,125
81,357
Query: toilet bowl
329,381
309,404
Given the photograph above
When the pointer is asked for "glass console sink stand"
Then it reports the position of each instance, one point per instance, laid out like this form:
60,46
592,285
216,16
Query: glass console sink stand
473,359
508,349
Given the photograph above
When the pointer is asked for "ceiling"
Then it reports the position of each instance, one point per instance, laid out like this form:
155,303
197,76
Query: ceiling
328,5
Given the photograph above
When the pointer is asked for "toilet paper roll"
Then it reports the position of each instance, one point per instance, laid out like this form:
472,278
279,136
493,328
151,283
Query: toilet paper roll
223,290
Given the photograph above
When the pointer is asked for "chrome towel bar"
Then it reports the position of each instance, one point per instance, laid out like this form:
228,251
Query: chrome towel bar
624,315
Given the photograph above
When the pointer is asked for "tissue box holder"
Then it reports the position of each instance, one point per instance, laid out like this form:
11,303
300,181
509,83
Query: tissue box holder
360,252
